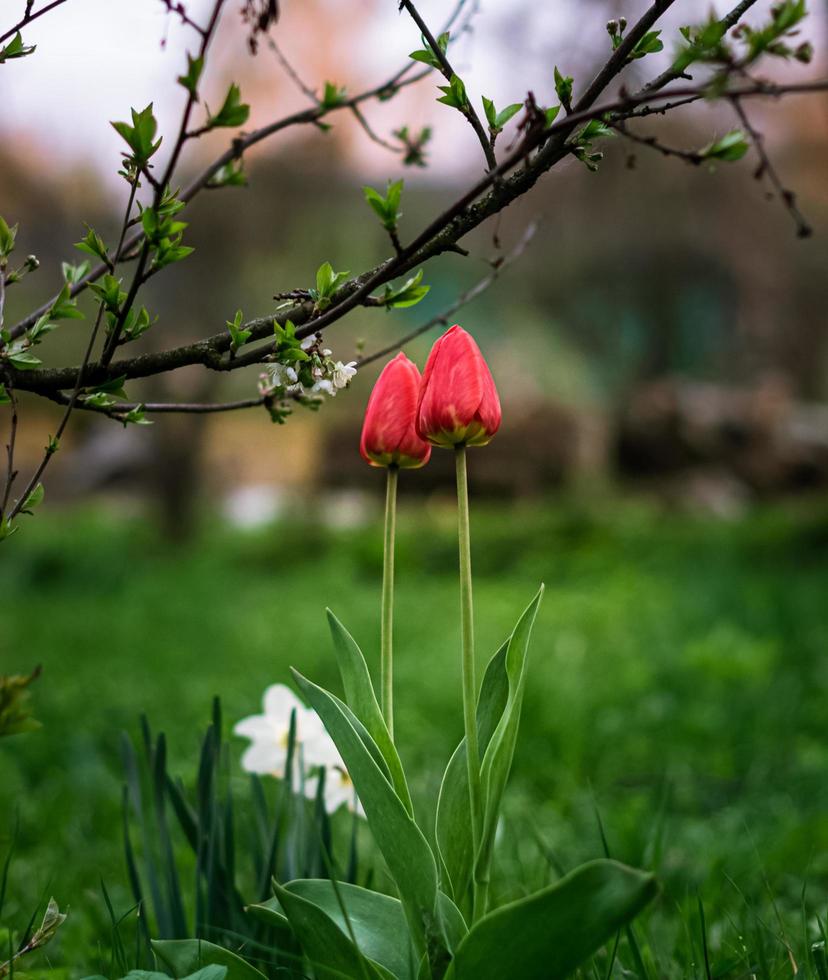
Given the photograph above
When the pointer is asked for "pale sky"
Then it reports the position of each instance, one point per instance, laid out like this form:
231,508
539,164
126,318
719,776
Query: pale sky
96,58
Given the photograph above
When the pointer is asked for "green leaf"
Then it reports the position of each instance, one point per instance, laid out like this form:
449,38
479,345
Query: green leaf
34,499
185,956
405,849
333,96
491,112
64,307
453,821
230,175
93,244
387,207
563,89
326,942
549,934
551,114
24,360
407,295
7,237
238,336
497,759
506,114
4,396
233,111
427,56
360,698
729,148
454,94
649,44
140,135
16,49
190,80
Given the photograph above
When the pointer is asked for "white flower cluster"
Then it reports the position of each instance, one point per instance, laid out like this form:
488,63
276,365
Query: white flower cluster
314,749
328,376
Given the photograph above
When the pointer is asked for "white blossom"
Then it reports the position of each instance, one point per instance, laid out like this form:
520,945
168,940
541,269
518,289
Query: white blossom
342,373
314,749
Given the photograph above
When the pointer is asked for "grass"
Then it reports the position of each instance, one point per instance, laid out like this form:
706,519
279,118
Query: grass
678,691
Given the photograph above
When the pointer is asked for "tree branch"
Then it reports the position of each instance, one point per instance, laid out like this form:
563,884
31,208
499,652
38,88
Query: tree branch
439,236
28,17
449,73
767,169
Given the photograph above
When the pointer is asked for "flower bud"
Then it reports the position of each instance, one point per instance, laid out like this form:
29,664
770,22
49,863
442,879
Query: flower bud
458,399
389,437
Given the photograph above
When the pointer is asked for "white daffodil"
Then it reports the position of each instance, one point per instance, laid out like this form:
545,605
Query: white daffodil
269,734
314,750
342,373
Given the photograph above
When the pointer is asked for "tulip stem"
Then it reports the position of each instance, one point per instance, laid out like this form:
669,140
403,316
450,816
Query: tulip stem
387,623
467,638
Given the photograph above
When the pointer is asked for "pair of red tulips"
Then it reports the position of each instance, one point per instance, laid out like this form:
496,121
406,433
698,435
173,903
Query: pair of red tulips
454,403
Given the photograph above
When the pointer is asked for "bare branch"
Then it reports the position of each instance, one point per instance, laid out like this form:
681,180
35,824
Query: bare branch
767,169
28,17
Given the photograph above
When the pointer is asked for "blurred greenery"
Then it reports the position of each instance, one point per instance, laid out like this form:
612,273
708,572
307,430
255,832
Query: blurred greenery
678,686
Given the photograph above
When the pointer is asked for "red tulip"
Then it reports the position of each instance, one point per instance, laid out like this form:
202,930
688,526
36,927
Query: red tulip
458,399
388,434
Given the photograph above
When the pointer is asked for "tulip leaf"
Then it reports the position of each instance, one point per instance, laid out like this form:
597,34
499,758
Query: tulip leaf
453,826
376,922
497,759
360,697
332,953
549,934
184,956
402,844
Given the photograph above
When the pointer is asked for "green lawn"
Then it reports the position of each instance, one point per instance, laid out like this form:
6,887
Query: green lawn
678,685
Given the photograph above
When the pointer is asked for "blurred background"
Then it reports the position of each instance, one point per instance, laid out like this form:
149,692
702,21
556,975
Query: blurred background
662,354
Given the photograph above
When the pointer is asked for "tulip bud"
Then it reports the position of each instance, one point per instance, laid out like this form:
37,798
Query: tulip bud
389,437
458,399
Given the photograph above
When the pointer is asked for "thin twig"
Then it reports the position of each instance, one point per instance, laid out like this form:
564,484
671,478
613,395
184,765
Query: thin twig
767,169
692,157
729,20
445,66
28,17
236,150
441,319
138,279
11,473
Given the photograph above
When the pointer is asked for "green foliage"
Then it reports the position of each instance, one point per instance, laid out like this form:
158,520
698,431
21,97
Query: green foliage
386,207
728,148
229,175
333,96
15,713
414,145
582,144
16,49
238,336
233,111
409,294
454,94
563,89
7,237
140,136
650,43
497,120
327,283
93,244
190,79
164,233
188,958
72,274
548,935
427,56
